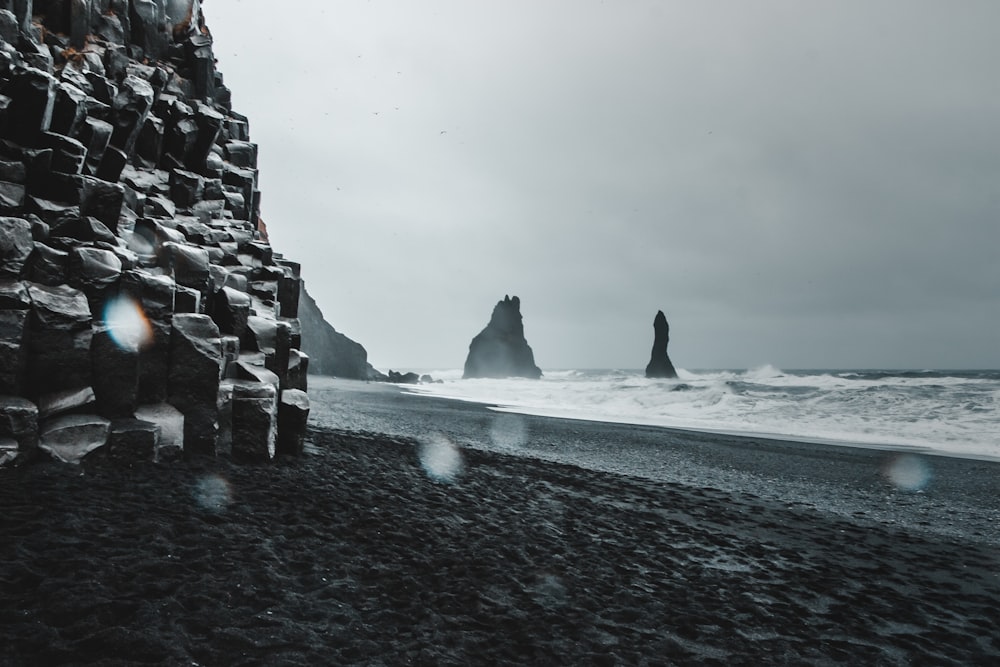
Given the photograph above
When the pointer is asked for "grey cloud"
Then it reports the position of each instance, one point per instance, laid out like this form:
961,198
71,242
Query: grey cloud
804,184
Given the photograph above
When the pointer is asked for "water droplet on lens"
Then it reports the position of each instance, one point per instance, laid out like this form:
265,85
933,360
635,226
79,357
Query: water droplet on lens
127,324
440,458
908,472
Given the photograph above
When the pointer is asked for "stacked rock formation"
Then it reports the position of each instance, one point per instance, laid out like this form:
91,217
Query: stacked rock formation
501,350
142,314
659,363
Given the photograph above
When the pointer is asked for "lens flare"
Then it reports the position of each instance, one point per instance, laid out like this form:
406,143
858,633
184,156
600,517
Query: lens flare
440,458
127,324
213,493
908,472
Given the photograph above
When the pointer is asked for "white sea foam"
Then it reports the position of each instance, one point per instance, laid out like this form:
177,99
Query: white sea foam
932,412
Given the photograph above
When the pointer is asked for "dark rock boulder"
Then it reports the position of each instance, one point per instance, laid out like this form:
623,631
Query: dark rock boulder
18,428
49,266
195,370
133,441
331,352
14,309
188,264
65,401
255,421
403,378
16,244
293,415
59,337
115,373
298,370
500,350
230,308
94,271
659,363
131,106
170,446
70,438
33,94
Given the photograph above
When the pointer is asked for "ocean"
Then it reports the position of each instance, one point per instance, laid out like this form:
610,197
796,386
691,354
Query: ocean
952,413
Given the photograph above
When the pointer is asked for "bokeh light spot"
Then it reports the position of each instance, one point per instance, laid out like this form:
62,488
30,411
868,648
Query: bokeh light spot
440,458
213,493
908,472
127,323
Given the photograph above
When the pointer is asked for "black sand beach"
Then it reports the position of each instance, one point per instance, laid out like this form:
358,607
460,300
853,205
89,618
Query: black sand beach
699,549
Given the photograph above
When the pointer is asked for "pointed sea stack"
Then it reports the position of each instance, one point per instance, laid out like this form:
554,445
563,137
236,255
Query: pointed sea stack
500,350
659,363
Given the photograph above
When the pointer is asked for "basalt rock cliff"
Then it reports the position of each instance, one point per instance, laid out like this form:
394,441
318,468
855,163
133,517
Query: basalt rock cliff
659,363
331,352
142,314
500,350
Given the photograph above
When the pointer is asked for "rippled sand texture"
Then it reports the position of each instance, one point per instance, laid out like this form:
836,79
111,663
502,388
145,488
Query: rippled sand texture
356,554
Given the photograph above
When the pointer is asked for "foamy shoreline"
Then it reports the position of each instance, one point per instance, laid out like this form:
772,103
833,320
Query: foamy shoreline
936,413
948,496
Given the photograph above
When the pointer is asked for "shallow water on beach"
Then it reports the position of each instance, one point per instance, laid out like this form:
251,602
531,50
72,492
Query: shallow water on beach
954,413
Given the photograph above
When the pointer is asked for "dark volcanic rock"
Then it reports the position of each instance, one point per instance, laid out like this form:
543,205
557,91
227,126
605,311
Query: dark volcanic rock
298,370
500,350
129,221
331,352
18,428
255,421
71,437
403,378
58,339
116,374
195,369
13,351
293,414
659,363
133,440
16,244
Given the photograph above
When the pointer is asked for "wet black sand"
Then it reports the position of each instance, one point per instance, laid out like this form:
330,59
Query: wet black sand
353,555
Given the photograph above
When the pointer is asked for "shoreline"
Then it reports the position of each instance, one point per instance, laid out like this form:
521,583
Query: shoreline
958,496
354,555
749,435
847,414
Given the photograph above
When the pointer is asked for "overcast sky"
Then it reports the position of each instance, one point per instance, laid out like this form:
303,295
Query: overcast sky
804,184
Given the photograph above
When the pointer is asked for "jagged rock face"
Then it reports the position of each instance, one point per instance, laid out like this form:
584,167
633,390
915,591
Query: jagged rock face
659,363
500,350
331,352
133,277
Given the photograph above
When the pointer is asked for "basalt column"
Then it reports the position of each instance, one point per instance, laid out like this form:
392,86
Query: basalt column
138,295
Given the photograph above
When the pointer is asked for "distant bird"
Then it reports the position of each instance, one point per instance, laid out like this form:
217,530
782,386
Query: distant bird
443,132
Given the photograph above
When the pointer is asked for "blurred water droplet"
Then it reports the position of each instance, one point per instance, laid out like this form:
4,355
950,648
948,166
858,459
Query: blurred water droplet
127,324
908,472
440,458
213,493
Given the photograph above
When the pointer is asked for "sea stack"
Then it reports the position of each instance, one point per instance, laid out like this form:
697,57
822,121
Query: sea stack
500,350
659,363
